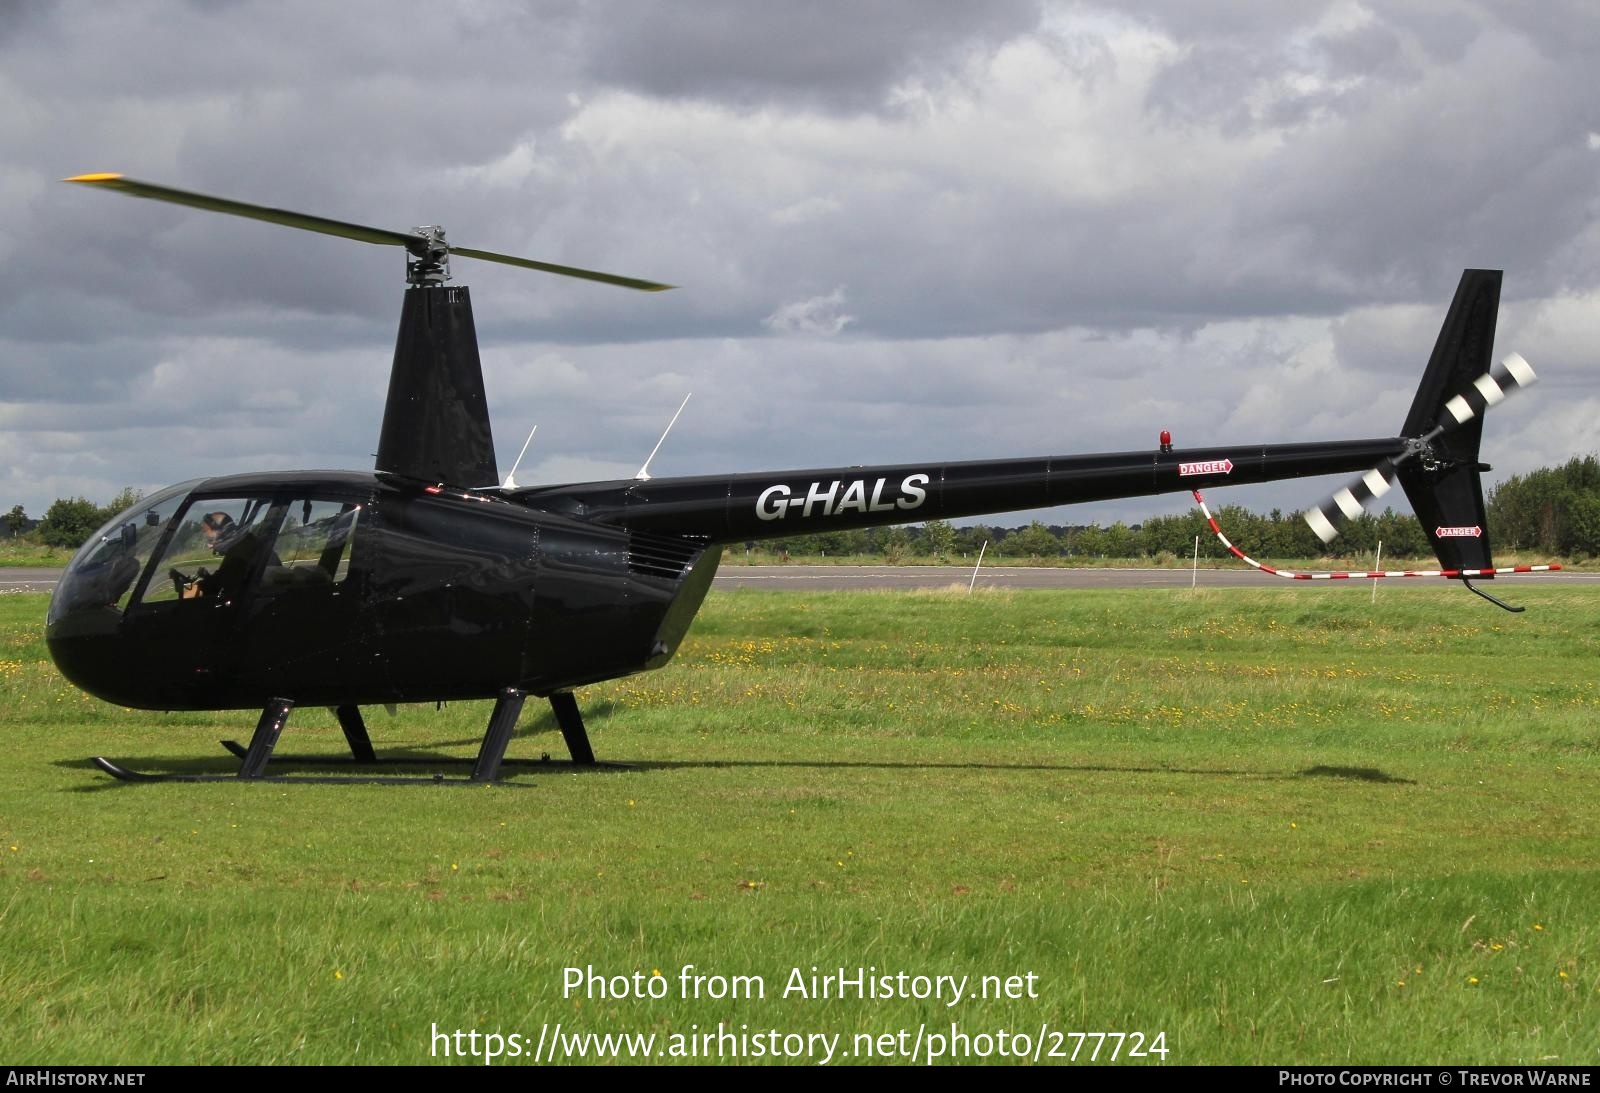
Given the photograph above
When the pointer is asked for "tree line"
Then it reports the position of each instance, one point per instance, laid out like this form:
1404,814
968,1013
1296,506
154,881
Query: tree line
1553,511
68,522
1163,538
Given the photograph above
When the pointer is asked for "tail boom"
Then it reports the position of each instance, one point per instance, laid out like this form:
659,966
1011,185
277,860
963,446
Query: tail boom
738,508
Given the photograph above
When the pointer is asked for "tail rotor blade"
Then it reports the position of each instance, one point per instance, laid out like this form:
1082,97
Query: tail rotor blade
1343,505
1506,377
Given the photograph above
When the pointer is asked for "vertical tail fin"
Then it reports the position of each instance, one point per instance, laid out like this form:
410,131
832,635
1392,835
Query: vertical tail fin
1439,468
1444,485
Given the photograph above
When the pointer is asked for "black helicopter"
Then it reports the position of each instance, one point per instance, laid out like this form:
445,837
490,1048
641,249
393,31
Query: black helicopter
415,582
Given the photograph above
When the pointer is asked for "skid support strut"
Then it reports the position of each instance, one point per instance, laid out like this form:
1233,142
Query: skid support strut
572,730
507,708
355,733
265,739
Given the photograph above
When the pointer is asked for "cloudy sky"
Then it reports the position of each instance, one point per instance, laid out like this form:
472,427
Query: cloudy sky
904,230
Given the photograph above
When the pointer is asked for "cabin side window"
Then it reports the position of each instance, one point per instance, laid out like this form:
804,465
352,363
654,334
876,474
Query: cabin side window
223,546
313,545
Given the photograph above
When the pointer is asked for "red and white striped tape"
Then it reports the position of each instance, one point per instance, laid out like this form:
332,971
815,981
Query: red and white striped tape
1370,574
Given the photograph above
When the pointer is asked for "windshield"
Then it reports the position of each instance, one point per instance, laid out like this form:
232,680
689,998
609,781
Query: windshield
102,574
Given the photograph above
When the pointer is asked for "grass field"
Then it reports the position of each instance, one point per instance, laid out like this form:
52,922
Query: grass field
1283,826
18,552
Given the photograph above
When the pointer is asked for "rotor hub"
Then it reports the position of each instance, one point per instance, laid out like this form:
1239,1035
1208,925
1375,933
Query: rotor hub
428,256
1421,449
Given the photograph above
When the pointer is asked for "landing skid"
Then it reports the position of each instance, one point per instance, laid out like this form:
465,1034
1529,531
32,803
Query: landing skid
127,774
545,761
485,768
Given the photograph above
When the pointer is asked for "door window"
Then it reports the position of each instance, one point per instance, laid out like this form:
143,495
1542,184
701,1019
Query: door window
313,545
214,551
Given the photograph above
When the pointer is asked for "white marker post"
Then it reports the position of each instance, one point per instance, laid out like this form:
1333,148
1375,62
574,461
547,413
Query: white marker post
1377,566
974,580
1194,570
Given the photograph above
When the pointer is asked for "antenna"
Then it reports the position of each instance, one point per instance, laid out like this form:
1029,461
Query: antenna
644,471
511,476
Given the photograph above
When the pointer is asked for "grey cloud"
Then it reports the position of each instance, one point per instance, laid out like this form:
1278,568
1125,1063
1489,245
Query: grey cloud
817,315
1558,28
1205,20
1372,51
1049,242
833,55
1459,174
1281,77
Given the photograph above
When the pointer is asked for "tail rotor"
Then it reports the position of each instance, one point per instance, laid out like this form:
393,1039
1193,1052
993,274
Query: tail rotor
1508,376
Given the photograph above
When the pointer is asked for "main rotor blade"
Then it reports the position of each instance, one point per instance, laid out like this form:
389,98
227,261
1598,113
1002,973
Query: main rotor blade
565,271
413,242
254,212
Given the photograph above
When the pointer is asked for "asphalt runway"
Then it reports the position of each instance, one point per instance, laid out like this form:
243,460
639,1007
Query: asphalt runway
28,580
830,578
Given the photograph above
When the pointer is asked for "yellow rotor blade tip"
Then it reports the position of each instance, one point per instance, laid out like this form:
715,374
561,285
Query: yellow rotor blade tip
102,177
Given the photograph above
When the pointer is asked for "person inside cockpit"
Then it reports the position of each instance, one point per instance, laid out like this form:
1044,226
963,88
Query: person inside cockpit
238,548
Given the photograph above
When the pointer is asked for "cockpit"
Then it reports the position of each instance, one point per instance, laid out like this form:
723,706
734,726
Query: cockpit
146,612
211,549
